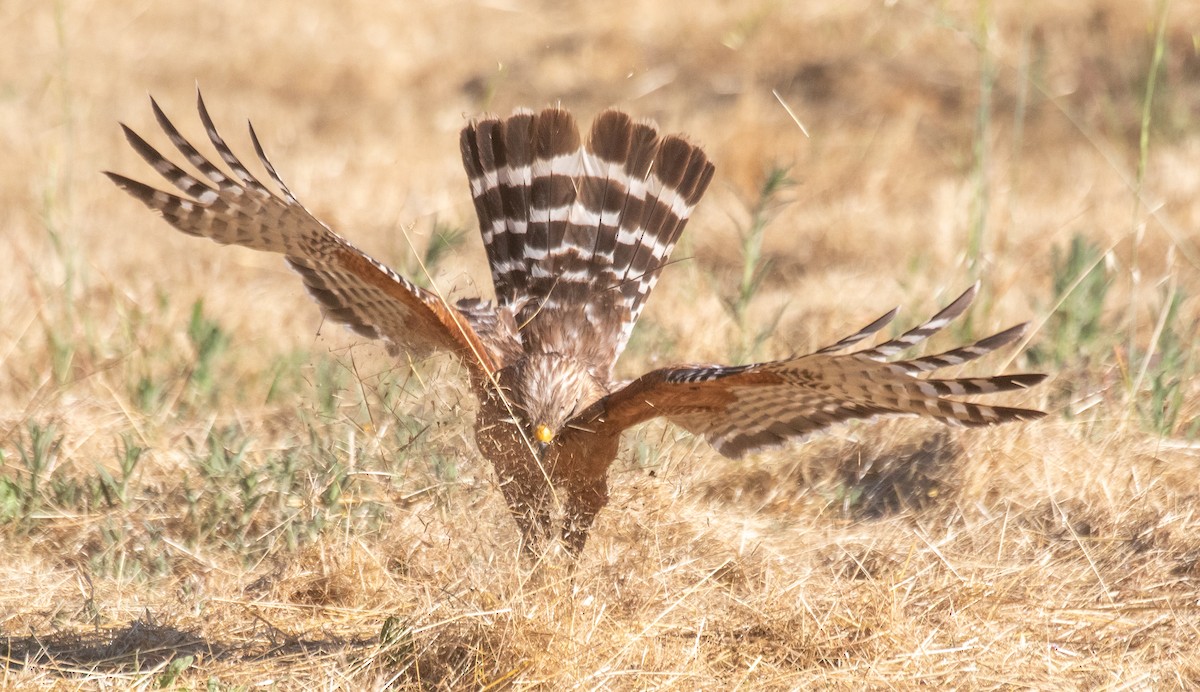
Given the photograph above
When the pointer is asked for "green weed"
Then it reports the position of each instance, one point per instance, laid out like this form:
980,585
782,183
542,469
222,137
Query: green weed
209,342
1168,366
443,243
115,489
981,142
22,494
1075,331
755,267
174,669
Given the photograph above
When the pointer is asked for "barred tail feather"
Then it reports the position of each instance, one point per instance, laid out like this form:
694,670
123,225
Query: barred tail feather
679,177
576,234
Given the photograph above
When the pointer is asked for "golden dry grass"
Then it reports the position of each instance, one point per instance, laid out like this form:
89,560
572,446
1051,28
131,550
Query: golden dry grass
307,514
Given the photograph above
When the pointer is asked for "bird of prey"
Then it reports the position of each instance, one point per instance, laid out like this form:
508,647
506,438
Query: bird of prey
577,232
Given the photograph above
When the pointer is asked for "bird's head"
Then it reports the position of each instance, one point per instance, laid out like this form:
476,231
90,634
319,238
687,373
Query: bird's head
550,390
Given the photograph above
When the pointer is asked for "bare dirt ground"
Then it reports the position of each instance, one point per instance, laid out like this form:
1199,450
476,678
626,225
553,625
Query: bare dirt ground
203,486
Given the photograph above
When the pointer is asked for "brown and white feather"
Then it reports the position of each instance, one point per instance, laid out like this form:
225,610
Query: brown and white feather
352,288
740,409
577,233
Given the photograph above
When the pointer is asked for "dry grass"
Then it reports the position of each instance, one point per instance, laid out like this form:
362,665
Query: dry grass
221,495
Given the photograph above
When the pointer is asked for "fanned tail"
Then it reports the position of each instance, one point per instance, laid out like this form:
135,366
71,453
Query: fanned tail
577,234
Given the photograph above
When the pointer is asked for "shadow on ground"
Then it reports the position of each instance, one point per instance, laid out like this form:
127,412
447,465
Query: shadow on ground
906,478
144,648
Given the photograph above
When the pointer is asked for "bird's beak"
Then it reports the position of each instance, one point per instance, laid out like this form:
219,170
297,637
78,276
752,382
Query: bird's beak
543,434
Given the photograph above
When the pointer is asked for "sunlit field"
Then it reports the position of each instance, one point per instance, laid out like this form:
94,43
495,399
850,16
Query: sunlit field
204,486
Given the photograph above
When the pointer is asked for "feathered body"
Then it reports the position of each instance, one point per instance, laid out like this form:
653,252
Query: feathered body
577,233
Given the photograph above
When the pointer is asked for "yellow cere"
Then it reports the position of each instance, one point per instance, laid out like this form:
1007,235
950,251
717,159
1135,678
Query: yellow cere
543,433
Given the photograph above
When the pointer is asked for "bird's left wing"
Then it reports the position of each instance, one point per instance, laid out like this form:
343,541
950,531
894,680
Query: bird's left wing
740,409
351,287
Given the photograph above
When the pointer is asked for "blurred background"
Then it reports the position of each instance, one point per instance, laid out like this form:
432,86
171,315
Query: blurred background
945,141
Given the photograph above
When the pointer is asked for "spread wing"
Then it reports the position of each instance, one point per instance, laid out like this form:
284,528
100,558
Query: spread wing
739,409
352,288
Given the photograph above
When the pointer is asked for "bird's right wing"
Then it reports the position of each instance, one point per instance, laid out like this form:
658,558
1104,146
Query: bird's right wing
352,288
739,409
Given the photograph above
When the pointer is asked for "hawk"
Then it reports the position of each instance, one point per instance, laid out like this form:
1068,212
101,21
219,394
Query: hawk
576,233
